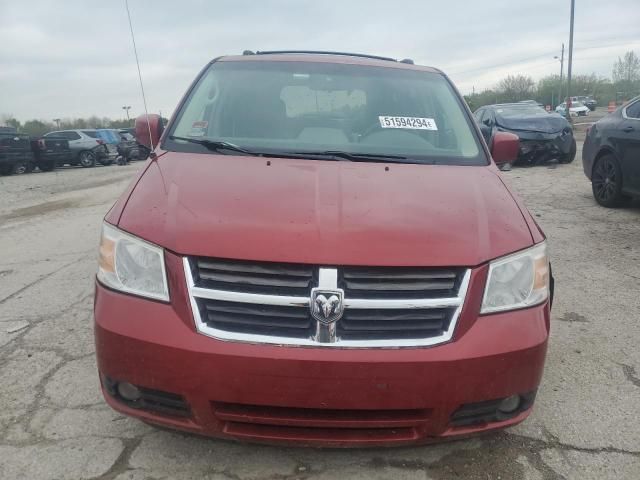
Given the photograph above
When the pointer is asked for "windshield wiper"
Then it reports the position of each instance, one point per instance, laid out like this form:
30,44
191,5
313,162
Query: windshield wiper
216,145
354,157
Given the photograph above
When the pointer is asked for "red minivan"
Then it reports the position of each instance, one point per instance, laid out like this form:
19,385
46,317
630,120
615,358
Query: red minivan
321,251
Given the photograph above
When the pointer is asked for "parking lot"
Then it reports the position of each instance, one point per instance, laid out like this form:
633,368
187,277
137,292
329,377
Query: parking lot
54,424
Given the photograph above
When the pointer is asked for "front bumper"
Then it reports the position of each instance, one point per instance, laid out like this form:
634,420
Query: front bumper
315,396
541,147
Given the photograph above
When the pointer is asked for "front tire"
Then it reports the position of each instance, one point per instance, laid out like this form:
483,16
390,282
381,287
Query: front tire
606,182
571,156
87,159
21,168
46,166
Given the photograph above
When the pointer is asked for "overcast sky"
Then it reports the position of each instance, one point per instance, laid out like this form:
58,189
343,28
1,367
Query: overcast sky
74,58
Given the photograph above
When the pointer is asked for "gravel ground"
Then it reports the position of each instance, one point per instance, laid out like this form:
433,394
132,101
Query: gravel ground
54,424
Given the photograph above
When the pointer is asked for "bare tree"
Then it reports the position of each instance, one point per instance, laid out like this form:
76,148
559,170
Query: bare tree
515,88
627,69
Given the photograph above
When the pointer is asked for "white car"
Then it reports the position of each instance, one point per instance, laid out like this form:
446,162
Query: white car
578,109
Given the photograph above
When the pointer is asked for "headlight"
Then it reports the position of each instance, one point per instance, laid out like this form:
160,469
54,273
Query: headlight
517,281
132,265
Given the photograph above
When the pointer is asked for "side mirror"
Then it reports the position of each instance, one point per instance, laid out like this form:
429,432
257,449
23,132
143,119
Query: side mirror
146,123
504,148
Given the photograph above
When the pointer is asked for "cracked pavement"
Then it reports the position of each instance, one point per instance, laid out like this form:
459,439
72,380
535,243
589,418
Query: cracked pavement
55,425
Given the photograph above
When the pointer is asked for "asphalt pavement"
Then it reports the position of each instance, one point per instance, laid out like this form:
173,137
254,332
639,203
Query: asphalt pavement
55,425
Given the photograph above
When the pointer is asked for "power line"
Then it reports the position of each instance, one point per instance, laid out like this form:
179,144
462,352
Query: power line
528,59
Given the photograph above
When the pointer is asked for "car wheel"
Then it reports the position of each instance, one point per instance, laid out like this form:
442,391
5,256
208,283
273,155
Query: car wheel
21,167
87,159
606,182
571,156
143,153
47,166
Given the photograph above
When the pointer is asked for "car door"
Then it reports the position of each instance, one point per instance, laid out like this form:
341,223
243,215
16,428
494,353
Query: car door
628,135
75,140
90,139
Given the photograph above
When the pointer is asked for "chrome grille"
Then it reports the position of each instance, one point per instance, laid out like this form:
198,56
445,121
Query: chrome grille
293,322
366,324
262,302
403,282
254,277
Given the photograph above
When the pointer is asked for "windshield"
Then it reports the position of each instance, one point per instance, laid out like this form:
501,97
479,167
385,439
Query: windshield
308,107
108,136
524,110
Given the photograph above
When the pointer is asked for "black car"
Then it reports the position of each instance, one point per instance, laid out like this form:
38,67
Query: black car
611,155
129,148
543,135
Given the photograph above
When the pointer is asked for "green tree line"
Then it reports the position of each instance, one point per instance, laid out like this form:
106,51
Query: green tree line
623,85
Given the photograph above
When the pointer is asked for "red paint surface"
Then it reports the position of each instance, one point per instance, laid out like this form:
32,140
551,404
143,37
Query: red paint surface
322,212
150,344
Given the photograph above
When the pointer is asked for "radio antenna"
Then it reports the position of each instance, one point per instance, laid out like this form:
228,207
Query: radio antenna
135,51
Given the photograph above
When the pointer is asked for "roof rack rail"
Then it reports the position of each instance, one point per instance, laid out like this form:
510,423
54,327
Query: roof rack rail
321,52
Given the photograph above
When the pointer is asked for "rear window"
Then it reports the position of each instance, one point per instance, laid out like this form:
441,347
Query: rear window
314,107
91,133
108,136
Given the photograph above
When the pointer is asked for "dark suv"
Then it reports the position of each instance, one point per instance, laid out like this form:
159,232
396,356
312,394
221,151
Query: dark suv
21,154
15,152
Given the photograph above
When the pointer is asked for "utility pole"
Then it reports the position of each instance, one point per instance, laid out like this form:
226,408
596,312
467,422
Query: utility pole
561,58
567,110
57,120
561,73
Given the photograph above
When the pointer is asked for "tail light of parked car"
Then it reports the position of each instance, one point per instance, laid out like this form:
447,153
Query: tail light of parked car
41,144
99,142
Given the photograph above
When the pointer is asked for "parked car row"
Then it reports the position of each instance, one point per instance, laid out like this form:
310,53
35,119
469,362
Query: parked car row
610,154
577,109
20,153
586,100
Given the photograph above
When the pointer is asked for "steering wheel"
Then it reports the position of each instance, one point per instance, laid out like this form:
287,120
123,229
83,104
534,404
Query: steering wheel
374,127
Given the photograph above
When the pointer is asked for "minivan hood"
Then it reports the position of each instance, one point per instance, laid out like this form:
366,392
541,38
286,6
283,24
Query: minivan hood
325,212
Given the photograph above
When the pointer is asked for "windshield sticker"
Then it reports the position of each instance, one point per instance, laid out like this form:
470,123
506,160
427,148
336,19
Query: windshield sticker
413,123
199,128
